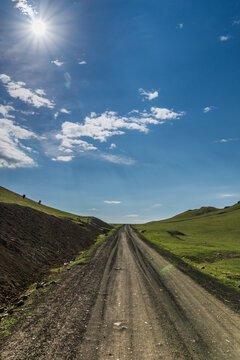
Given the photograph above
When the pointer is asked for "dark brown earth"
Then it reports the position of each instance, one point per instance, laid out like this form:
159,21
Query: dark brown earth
31,242
127,303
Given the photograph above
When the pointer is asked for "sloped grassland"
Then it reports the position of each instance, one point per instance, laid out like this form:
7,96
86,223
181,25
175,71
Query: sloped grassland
32,242
207,239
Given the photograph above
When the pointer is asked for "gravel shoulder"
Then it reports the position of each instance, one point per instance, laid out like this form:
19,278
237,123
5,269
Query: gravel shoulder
127,303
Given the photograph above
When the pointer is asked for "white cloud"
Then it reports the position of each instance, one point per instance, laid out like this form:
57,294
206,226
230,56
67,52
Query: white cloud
27,112
132,215
228,195
224,140
149,95
109,123
92,209
208,108
56,115
40,92
63,158
57,62
82,62
12,154
76,144
112,146
166,114
112,202
156,205
5,109
180,26
117,159
25,7
5,78
18,90
65,111
224,37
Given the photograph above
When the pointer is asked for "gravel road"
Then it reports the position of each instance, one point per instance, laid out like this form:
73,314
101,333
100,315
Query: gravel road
127,303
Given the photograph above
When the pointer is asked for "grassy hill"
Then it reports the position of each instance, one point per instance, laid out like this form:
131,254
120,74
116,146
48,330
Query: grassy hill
207,238
10,197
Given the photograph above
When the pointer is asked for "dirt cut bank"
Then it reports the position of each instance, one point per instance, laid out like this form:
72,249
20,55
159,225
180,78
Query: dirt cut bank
32,242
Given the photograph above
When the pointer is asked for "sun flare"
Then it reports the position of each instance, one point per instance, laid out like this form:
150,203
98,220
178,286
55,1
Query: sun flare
39,27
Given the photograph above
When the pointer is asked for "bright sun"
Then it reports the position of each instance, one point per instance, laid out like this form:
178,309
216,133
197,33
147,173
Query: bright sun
39,27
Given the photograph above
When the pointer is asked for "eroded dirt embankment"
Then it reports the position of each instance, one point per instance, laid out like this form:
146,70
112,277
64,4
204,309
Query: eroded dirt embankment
31,242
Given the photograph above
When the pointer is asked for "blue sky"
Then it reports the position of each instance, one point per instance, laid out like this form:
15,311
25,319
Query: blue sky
124,110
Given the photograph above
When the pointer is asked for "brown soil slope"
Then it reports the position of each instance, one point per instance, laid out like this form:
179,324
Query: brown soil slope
32,242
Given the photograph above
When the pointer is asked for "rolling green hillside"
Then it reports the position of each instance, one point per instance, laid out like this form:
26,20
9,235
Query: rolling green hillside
7,196
207,239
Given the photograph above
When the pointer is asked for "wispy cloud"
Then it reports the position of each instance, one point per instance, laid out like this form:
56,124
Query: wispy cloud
208,108
13,153
117,159
180,26
156,206
224,37
225,140
18,90
149,95
236,22
114,202
63,158
57,62
132,215
92,209
112,146
5,109
82,62
228,195
65,111
25,7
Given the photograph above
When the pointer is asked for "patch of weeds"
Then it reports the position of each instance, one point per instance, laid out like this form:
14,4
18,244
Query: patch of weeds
57,270
4,326
80,261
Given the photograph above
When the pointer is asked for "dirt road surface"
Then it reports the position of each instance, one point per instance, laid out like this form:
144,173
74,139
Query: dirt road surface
128,303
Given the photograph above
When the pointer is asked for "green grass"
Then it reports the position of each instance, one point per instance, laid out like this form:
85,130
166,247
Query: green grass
7,196
211,242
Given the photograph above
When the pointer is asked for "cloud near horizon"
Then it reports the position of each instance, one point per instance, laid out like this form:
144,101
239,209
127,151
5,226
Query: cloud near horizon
18,90
112,202
228,195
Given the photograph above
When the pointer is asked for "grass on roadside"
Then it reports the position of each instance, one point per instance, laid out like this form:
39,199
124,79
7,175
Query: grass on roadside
208,241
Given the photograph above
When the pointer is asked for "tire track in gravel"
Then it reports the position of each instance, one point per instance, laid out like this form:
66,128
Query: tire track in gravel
148,309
